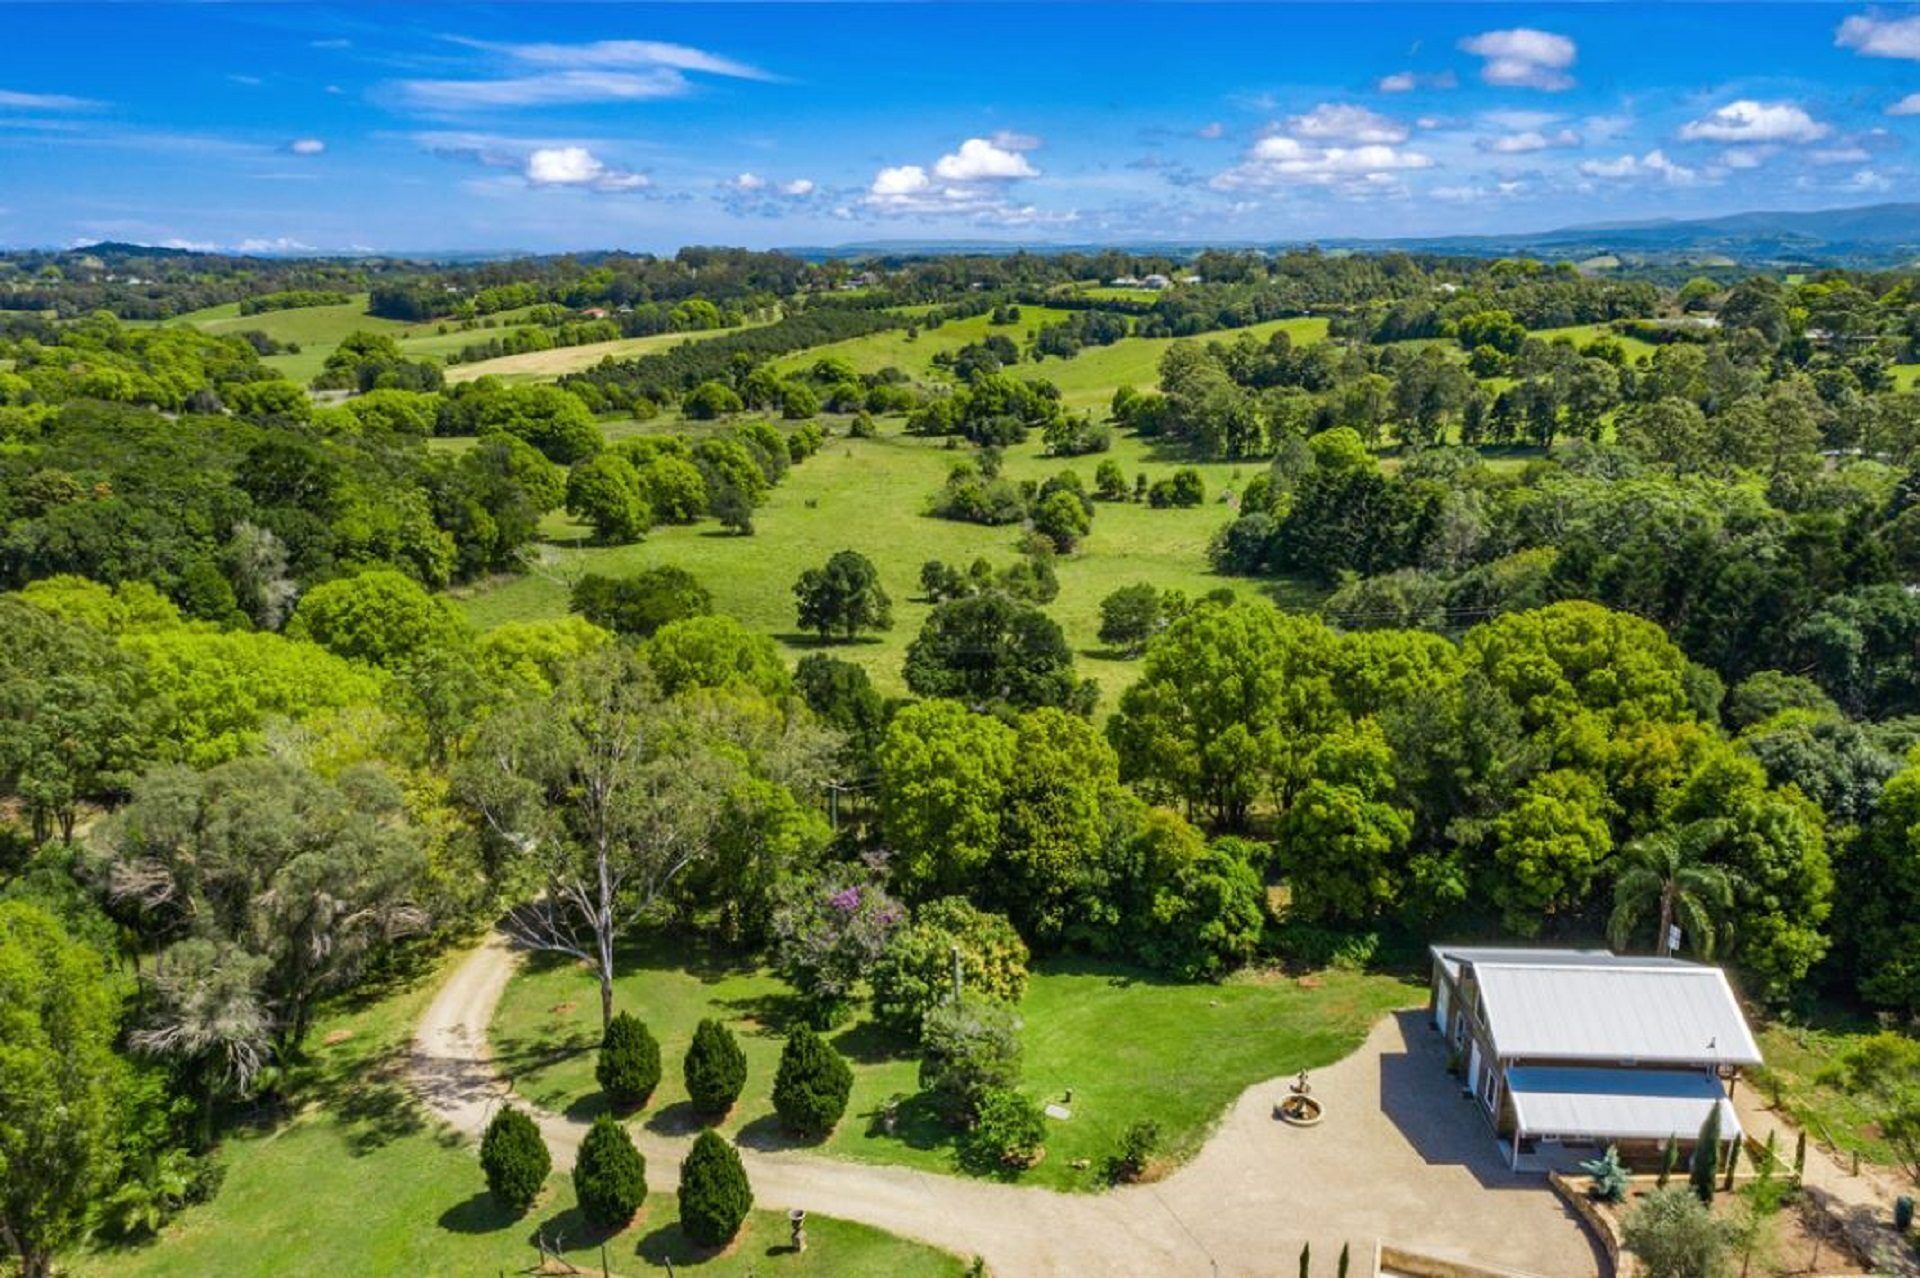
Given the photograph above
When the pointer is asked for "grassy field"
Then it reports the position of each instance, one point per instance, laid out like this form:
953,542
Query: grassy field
1638,352
914,355
362,1185
1089,379
869,495
1795,1056
318,329
541,366
1128,1044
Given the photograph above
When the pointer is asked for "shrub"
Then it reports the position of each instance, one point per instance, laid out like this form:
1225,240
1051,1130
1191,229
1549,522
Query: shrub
629,1065
1705,1162
1676,1236
863,426
642,603
714,1194
716,1068
810,1090
1138,1144
1183,488
1608,1175
515,1159
1009,1135
915,974
610,1176
968,1051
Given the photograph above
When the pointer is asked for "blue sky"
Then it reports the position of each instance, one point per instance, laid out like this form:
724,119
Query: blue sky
399,127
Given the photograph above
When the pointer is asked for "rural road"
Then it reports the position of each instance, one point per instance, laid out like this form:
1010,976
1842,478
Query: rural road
1399,1156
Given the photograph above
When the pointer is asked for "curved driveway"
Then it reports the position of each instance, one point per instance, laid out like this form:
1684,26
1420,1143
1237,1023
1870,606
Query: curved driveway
1401,1155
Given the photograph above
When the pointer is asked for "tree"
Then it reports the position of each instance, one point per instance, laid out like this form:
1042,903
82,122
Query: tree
1549,846
515,1159
1703,1168
640,604
827,934
709,400
312,876
991,649
943,778
60,1086
380,617
1008,1135
606,491
1667,872
811,1087
716,652
843,598
1130,616
586,790
1342,839
1884,1070
609,1175
714,1194
715,1068
968,1051
916,973
1675,1236
628,1068
205,1014
1062,519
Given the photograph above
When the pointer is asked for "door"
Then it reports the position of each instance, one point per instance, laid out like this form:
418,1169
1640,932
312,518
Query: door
1440,1007
1473,1068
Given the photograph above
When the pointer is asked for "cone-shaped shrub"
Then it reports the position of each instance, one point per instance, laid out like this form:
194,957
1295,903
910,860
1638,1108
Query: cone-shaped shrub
515,1159
716,1068
610,1176
629,1064
810,1091
1706,1157
714,1194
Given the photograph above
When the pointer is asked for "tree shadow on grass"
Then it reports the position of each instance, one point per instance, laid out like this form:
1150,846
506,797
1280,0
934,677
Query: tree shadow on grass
584,1109
772,1013
917,1123
570,1230
868,1043
669,1245
369,1101
480,1214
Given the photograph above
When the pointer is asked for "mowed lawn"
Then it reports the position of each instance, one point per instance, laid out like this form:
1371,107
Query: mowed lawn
362,1184
870,496
1130,1046
893,348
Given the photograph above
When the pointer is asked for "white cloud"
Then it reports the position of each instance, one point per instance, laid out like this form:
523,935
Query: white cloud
306,146
45,101
1408,81
1285,161
278,244
1868,180
1653,165
553,89
1215,130
1909,105
797,189
979,160
1849,153
747,182
1749,121
622,53
575,166
1877,37
1745,157
1524,58
1529,140
1336,122
1009,140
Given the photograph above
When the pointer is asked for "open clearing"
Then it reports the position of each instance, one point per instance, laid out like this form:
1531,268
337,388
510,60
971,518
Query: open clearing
1128,1044
366,1179
541,366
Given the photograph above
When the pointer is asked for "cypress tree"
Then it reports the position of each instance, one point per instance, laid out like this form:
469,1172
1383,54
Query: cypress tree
1706,1157
610,1176
714,1194
514,1159
811,1088
715,1068
629,1066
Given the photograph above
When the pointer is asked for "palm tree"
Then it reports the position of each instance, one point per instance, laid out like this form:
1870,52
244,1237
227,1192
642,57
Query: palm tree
205,1011
1668,872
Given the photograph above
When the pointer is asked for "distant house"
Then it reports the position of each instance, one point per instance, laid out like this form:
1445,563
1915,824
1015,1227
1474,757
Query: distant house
1156,280
595,312
1587,1048
1124,281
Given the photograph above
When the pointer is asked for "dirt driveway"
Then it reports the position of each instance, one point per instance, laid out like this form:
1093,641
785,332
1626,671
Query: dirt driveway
1401,1155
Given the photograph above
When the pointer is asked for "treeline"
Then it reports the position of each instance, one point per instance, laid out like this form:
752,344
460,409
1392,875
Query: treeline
668,375
292,299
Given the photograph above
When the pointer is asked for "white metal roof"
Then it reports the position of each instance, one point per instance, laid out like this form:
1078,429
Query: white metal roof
1452,956
1608,1009
1621,1104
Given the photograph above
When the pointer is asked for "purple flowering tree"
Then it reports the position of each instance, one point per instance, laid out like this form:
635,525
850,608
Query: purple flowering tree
827,934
